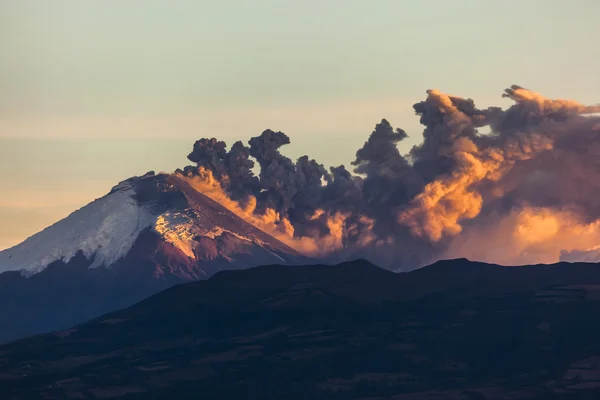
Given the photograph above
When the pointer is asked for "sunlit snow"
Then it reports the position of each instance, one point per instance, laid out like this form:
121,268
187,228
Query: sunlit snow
180,229
104,230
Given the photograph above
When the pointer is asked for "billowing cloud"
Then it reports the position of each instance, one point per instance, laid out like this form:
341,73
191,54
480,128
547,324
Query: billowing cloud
526,190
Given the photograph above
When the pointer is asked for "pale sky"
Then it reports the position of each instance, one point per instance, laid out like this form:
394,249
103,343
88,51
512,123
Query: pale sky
94,91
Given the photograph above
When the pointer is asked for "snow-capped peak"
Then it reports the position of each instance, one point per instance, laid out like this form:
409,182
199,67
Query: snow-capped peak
103,230
106,230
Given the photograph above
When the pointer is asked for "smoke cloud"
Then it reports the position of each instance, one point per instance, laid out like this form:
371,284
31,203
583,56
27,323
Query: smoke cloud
526,191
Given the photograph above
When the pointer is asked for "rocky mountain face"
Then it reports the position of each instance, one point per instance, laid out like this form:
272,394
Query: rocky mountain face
146,235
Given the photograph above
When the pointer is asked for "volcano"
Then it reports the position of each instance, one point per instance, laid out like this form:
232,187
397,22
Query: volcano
147,234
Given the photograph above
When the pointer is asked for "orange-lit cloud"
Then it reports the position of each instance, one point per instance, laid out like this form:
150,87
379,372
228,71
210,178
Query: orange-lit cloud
526,236
501,196
270,221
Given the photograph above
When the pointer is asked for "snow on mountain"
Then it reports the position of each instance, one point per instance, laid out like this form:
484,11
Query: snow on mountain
104,230
148,234
181,228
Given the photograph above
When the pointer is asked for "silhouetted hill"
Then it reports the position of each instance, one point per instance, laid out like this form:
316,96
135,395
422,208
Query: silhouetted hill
454,330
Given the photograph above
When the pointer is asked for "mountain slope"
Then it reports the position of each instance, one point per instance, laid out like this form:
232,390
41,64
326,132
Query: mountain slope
147,234
351,331
105,230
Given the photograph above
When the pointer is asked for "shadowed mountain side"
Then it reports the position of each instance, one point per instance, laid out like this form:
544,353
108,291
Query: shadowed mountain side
192,238
362,283
63,295
453,330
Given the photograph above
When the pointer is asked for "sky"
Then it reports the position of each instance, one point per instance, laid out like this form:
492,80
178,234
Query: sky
93,92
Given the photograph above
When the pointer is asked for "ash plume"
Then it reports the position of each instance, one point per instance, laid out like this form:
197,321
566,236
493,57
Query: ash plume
527,191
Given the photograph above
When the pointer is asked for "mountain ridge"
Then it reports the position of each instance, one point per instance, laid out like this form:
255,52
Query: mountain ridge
297,332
